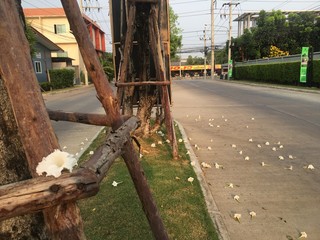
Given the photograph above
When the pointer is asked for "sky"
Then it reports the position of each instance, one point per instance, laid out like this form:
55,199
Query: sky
193,17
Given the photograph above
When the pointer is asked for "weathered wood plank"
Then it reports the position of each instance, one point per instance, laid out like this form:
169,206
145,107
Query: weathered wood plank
105,155
146,83
155,42
85,118
126,58
36,194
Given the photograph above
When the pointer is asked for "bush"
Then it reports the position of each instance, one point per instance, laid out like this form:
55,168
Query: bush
61,78
316,73
281,73
45,86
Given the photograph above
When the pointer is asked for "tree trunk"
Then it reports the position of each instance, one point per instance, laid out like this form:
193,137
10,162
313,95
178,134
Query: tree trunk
147,94
14,168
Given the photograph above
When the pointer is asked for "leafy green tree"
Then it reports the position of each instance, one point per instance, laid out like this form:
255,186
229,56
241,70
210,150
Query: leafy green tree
175,33
221,56
195,60
107,64
288,33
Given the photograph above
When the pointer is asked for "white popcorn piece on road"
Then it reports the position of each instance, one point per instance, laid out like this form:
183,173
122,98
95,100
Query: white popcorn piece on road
205,165
303,235
252,214
289,168
237,217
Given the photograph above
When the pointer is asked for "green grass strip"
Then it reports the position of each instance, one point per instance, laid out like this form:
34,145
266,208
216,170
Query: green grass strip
116,213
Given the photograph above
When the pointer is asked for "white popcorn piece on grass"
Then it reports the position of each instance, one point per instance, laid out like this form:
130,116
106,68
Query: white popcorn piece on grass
190,179
114,183
55,162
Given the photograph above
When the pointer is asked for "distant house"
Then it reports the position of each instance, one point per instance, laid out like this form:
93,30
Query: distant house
42,61
53,23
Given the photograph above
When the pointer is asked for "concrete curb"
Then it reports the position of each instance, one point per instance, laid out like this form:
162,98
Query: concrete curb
213,210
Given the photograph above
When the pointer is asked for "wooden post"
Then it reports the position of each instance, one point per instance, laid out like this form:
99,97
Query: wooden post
36,132
128,45
85,118
159,65
110,105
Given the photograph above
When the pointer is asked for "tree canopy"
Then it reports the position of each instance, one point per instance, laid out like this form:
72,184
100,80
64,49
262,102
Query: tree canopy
175,33
277,34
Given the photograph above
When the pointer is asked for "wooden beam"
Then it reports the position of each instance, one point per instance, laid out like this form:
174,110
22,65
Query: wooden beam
37,135
85,118
127,49
37,194
155,42
44,192
105,155
147,83
110,105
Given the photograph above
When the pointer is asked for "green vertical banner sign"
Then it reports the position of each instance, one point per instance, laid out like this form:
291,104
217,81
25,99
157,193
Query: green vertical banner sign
304,64
230,68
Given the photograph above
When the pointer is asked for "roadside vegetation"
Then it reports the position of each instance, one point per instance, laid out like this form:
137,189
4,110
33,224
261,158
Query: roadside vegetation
116,213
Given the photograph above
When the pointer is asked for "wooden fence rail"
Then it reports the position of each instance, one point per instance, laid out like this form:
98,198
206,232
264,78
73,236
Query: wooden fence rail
36,194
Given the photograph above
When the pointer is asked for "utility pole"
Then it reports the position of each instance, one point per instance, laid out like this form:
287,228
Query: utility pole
204,38
87,7
230,30
212,39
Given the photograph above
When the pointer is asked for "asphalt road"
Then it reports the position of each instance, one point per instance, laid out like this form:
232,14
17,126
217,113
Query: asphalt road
74,137
265,125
